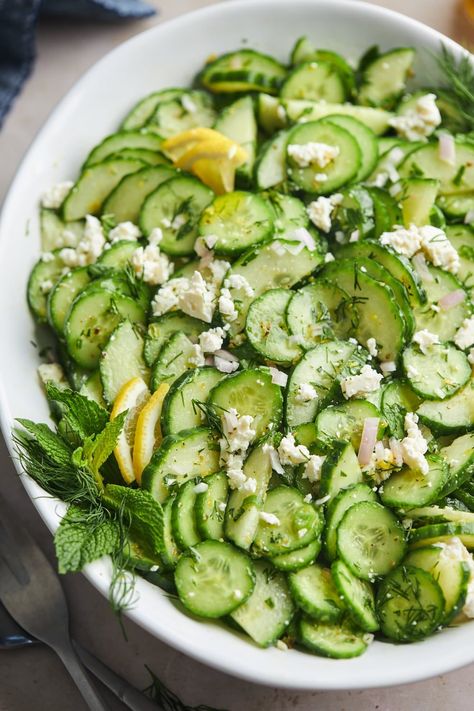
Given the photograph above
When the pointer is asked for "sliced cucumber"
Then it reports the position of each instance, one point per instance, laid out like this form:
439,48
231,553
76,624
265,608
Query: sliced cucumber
190,454
319,311
180,114
386,211
270,168
122,360
441,533
289,212
436,375
436,514
244,70
92,388
346,422
170,554
238,122
417,197
141,113
406,488
267,330
357,595
453,416
118,255
314,592
175,358
55,233
462,239
367,141
125,201
331,640
183,524
336,510
214,578
426,162
300,558
209,510
63,294
459,456
340,469
180,408
384,78
165,326
398,398
354,214
117,142
43,277
314,81
437,283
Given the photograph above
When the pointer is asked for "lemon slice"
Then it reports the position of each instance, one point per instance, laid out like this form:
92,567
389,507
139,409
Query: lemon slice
148,431
132,396
175,146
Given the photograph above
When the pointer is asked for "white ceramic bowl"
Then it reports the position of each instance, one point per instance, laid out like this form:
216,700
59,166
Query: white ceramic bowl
169,55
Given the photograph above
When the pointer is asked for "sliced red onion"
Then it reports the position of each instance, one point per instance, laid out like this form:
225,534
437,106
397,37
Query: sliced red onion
397,452
209,360
368,440
448,301
447,148
420,265
278,377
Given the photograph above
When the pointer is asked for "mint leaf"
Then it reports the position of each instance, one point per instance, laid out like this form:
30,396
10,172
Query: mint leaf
50,443
96,450
81,416
141,514
80,539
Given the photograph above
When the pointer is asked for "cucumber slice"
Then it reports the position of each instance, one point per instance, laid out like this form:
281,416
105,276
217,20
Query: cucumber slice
336,510
175,358
444,323
118,255
122,140
384,78
314,81
459,456
305,51
367,141
409,595
339,171
209,510
244,70
379,314
417,198
180,411
174,116
270,167
125,201
288,212
320,367
386,211
330,640
170,554
299,523
441,533
55,233
268,611
190,454
267,330
63,294
238,220
250,392
175,207
462,239
93,316
357,595
454,179
340,469
451,575
183,524
314,592
146,156
453,416
122,360
214,578
354,213
94,185
406,488
456,205
398,398
141,113
345,421
43,277
436,375
436,514
300,558
165,326
238,122
269,266
399,267
370,540
92,388
319,311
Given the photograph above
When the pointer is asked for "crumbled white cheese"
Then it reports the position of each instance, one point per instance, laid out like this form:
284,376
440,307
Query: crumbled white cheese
178,222
355,238
470,357
151,265
329,257
196,358
469,217
310,153
312,469
388,366
419,122
412,372
225,366
201,487
155,236
47,257
425,340
302,237
305,393
454,549
188,104
166,298
432,241
124,231
402,240
290,453
387,168
54,197
414,445
320,211
46,286
237,430
211,341
269,518
239,282
218,269
464,337
367,381
281,646
227,307
197,298
320,178
278,377
372,347
249,485
274,458
89,248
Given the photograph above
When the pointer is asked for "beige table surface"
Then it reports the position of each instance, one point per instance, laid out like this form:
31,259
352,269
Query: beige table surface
33,679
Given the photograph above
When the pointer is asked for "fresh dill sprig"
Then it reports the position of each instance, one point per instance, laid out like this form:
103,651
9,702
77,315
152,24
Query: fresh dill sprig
458,88
210,413
165,698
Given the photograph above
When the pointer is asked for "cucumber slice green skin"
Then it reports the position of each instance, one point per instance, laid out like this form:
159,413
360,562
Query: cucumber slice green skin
170,554
122,360
354,212
193,453
269,610
398,398
270,166
451,575
314,592
239,220
214,579
406,489
439,374
179,409
384,78
53,228
183,524
165,326
182,196
345,421
123,140
406,596
428,515
141,113
386,213
288,212
250,392
339,172
63,294
340,469
173,360
367,141
209,509
305,51
453,416
238,123
299,523
336,510
370,540
443,323
42,272
267,330
442,532
300,558
244,70
459,456
118,255
417,199
462,239
314,81
357,595
171,117
427,161
92,389
331,640
125,201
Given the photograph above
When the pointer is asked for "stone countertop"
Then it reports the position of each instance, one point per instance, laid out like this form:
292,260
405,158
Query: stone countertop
34,678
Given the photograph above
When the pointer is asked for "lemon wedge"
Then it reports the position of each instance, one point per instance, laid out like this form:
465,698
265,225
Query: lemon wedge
148,431
175,146
132,396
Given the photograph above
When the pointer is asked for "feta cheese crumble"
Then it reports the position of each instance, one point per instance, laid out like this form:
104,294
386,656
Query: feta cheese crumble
312,470
124,231
372,347
432,241
320,211
464,337
425,340
54,197
196,359
454,549
414,445
419,122
269,518
151,265
89,248
237,434
227,307
239,282
211,341
367,381
388,168
201,487
310,153
290,453
305,393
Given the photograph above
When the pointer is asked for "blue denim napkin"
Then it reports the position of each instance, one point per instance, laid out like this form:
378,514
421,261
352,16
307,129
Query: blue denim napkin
17,33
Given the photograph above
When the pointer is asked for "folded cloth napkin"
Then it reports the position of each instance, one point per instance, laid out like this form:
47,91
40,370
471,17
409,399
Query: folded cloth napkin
17,33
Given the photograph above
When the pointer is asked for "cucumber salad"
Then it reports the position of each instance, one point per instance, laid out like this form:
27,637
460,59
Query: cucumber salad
260,296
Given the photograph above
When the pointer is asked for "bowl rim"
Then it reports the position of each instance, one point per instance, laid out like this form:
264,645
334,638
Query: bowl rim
98,573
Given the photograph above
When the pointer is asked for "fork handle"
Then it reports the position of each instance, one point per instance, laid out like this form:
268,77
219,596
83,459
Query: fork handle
71,661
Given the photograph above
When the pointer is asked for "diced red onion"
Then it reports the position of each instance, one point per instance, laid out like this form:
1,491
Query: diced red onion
368,440
226,355
278,377
420,265
209,360
447,148
448,301
397,452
